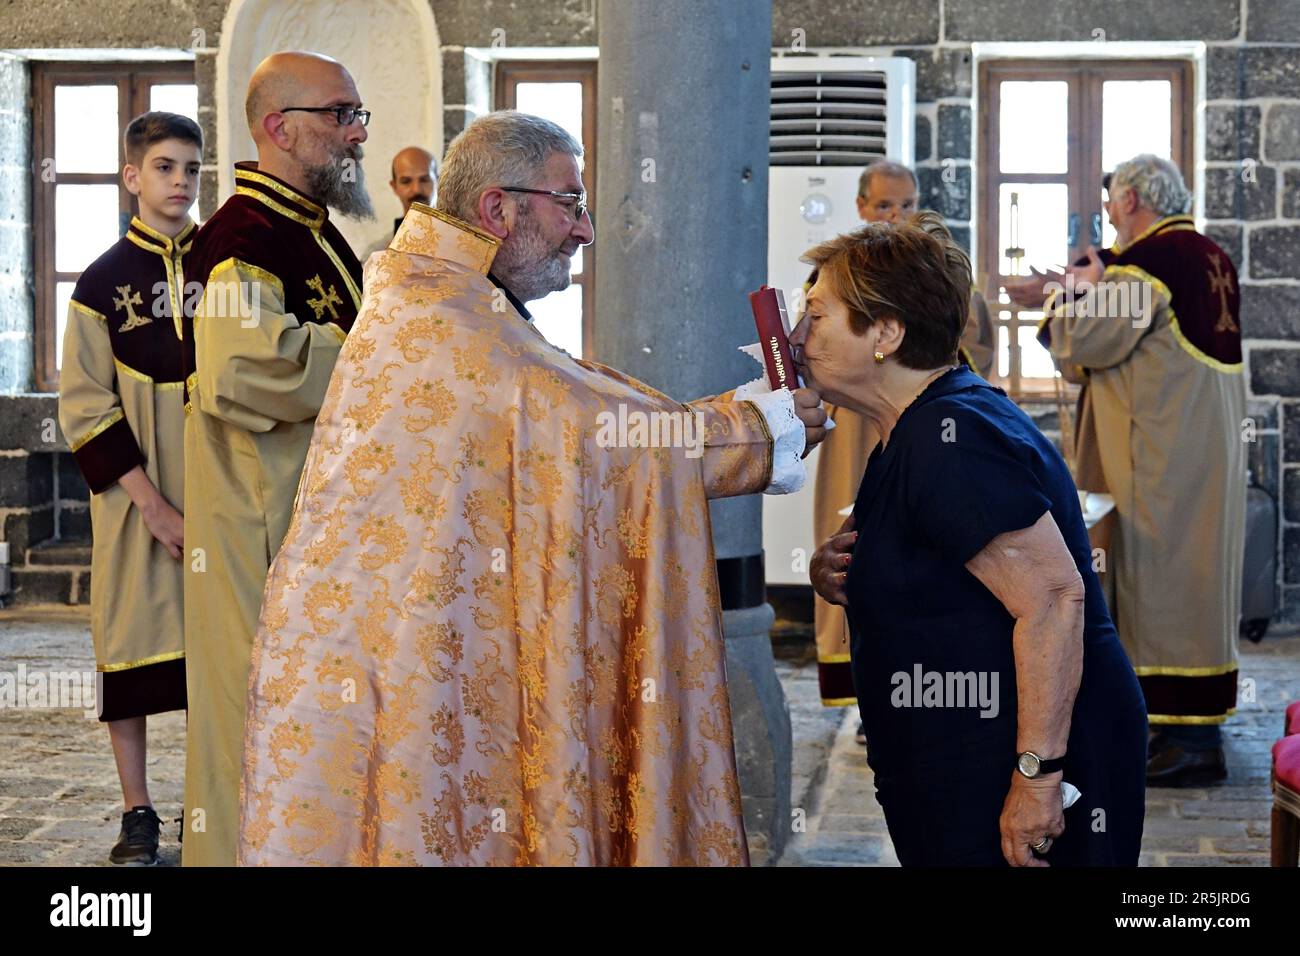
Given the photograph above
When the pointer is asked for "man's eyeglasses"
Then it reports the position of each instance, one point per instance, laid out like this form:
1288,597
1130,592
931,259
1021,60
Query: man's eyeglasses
578,206
344,114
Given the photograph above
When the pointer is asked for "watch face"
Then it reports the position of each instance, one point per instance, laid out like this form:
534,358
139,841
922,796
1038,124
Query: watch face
1028,764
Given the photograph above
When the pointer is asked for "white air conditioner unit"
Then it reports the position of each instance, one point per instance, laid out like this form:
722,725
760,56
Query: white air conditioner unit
831,116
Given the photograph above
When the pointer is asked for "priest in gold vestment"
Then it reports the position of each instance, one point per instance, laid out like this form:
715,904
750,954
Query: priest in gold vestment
492,635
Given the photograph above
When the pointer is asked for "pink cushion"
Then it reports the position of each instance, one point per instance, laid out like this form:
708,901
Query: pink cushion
1286,762
1293,718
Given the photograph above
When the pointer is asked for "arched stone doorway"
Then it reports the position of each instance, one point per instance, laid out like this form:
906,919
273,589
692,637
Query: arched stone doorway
390,47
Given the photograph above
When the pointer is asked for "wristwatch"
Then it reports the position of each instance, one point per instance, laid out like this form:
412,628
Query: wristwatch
1031,765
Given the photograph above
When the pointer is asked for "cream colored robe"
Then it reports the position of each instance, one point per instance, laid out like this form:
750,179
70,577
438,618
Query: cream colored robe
262,368
491,638
1164,421
116,416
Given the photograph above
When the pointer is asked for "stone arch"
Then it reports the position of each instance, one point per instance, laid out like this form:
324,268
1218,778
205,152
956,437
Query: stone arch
392,50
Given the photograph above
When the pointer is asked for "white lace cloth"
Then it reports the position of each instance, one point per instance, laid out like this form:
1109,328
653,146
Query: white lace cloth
788,437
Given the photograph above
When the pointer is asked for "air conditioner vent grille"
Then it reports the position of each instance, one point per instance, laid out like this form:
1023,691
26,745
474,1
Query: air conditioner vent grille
827,118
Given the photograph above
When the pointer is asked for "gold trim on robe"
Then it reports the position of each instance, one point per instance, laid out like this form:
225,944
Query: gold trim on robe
1185,720
1172,671
142,662
128,371
111,419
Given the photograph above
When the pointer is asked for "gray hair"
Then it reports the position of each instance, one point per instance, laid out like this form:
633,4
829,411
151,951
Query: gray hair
883,167
504,148
1157,183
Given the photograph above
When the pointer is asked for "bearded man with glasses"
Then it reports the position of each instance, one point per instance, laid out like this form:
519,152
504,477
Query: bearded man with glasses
281,289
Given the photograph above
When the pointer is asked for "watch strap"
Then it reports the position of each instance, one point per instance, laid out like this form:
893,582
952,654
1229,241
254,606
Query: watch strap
1050,766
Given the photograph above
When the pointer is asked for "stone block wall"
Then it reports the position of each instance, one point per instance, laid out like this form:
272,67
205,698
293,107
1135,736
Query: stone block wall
44,505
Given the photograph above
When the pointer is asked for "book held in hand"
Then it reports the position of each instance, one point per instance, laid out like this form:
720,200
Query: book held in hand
773,325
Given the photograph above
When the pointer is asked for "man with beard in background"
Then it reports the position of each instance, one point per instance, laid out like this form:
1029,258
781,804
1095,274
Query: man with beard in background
281,289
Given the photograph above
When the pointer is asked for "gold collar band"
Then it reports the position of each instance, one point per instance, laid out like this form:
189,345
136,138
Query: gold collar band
427,232
277,195
152,240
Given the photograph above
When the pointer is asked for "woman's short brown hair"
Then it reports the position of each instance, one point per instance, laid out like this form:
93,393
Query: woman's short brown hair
913,270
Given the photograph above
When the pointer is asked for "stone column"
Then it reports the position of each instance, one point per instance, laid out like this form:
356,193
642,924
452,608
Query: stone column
682,143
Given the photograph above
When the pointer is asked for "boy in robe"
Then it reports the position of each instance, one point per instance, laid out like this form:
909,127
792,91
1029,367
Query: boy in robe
121,409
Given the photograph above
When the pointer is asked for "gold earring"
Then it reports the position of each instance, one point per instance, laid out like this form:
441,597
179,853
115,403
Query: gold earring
880,357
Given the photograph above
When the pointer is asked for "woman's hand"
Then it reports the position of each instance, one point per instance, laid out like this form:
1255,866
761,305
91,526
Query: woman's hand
1032,810
830,564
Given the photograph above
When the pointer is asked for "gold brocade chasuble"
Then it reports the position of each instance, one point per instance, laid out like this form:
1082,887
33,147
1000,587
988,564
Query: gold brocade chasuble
492,637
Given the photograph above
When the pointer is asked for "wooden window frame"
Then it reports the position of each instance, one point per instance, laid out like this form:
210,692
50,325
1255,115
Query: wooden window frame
509,74
133,81
1083,177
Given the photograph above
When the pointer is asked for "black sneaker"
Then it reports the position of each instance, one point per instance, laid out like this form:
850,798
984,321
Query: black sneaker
860,738
137,844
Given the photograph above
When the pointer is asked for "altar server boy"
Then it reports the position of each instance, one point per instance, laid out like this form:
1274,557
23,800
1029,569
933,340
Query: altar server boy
121,408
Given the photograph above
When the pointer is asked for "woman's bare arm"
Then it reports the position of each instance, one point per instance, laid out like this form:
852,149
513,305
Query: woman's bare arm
1033,574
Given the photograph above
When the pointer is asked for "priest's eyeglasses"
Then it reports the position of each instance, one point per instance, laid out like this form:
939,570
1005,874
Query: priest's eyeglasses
344,114
578,206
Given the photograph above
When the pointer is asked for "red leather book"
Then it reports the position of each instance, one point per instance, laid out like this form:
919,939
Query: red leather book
774,336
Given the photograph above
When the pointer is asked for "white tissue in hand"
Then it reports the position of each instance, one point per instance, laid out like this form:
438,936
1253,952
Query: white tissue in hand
755,352
760,385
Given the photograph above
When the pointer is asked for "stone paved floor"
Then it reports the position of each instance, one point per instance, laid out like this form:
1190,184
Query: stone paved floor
1226,825
60,798
812,726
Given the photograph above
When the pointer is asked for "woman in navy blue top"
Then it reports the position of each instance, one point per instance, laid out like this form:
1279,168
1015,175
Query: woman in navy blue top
984,658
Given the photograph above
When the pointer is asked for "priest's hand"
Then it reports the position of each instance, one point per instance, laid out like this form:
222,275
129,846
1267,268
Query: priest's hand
1031,812
1030,292
808,406
1091,271
830,564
